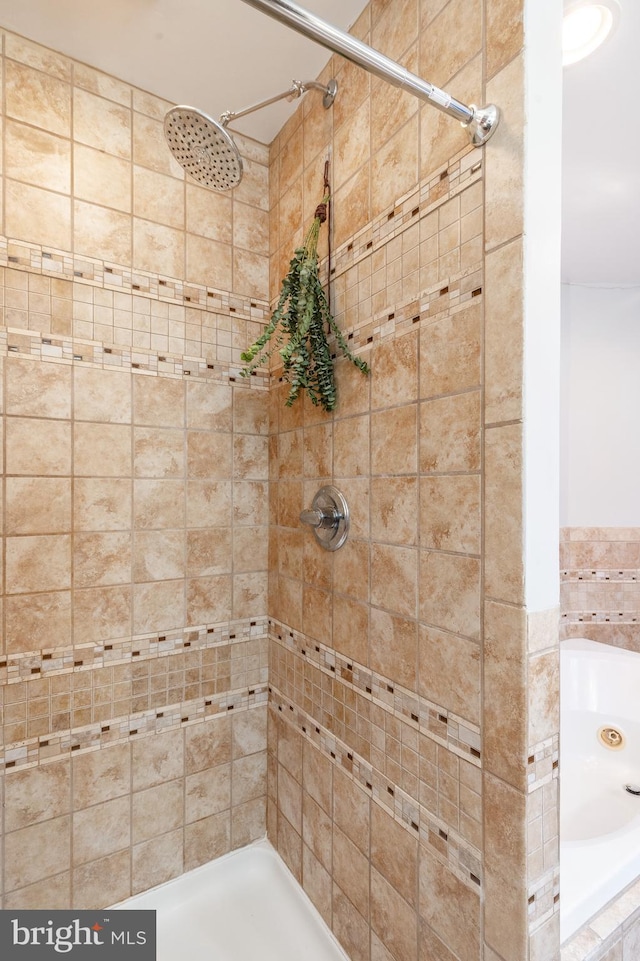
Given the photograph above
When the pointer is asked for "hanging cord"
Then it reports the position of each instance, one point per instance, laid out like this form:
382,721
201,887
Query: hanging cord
323,212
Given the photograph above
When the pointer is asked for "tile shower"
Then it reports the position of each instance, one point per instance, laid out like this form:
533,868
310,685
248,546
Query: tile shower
160,599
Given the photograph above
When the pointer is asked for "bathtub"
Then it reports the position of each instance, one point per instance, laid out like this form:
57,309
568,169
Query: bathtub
241,906
599,820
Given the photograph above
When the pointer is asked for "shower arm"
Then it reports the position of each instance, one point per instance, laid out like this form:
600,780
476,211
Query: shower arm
480,122
297,88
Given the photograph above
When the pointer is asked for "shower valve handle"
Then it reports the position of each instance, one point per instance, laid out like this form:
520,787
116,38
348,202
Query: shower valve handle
327,519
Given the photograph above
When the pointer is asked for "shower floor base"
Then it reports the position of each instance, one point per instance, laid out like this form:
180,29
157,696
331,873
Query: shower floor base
242,906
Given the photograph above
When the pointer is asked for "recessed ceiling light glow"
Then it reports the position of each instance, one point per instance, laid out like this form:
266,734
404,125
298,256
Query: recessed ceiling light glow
585,26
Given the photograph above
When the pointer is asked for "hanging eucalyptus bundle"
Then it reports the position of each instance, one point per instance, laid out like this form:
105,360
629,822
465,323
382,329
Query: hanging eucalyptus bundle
301,322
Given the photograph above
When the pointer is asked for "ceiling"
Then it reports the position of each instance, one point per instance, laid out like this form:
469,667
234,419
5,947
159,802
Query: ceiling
223,55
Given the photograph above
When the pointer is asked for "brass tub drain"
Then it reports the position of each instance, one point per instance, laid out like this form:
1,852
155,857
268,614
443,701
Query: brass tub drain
611,737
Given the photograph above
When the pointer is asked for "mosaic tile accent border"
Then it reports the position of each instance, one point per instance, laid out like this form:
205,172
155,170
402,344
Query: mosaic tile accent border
618,921
70,350
434,721
35,751
99,273
460,290
48,663
543,763
447,845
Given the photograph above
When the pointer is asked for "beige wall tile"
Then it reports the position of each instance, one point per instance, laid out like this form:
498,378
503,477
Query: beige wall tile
36,621
444,902
449,592
31,212
102,882
217,406
157,861
394,448
503,514
543,684
450,672
249,777
101,450
158,504
209,503
505,867
40,58
37,505
52,894
158,606
101,775
158,555
35,446
102,395
504,327
399,154
450,354
100,232
157,759
352,204
101,179
394,853
208,262
206,839
101,830
102,124
394,573
394,372
158,402
158,198
209,214
157,810
392,919
207,745
505,163
37,157
38,563
351,145
452,40
394,647
101,613
209,599
158,249
350,928
450,433
102,504
450,515
36,795
440,140
158,453
351,446
37,98
38,390
36,852
102,84
209,455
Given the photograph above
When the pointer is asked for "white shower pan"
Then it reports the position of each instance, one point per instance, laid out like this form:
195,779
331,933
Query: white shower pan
242,906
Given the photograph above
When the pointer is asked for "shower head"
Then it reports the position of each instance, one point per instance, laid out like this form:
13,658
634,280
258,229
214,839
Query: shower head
203,147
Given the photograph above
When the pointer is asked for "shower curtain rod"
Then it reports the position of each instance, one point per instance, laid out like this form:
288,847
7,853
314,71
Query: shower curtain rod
481,122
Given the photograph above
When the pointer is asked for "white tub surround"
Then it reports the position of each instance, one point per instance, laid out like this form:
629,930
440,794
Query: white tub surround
246,904
599,818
